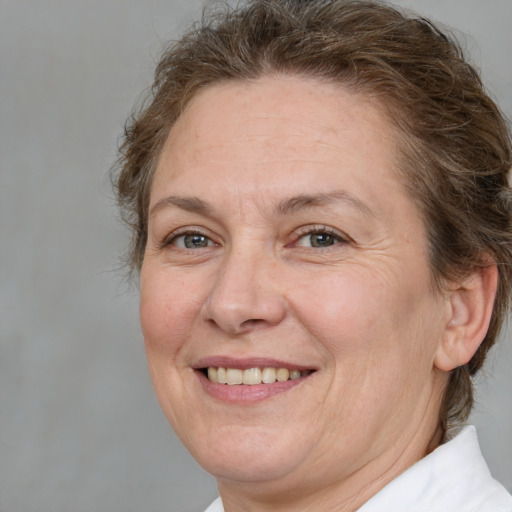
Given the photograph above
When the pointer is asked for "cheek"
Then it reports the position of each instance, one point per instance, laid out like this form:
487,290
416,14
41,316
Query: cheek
166,312
343,308
364,318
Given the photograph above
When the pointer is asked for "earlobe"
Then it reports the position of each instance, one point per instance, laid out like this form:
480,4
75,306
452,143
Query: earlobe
471,304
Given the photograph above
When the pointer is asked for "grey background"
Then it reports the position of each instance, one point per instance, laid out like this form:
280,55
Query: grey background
80,429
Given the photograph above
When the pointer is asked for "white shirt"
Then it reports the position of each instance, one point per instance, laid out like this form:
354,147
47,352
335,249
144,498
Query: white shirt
453,478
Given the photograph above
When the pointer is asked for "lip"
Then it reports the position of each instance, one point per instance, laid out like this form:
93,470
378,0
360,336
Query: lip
244,394
241,394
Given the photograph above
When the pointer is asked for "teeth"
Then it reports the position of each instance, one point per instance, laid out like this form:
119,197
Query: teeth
234,376
212,374
268,375
282,375
294,374
222,378
253,376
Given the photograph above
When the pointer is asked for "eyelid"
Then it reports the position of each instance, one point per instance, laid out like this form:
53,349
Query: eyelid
320,228
186,230
299,233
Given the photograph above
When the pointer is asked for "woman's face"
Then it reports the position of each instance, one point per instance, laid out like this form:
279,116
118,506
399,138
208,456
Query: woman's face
280,237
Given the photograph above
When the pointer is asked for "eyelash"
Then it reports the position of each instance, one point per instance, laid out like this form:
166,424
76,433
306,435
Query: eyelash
170,239
302,232
320,229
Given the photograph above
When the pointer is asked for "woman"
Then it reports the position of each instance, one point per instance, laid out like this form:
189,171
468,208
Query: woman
322,225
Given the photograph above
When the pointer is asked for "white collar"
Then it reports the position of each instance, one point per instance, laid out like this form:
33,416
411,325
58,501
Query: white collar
453,478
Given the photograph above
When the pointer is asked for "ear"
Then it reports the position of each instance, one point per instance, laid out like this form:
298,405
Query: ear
471,304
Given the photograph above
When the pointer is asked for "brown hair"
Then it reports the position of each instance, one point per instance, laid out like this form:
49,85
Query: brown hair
455,145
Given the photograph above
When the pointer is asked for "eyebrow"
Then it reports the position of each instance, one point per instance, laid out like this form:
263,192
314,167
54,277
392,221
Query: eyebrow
189,204
302,202
285,207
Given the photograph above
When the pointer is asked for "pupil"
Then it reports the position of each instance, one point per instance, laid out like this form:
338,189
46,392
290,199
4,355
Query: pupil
321,240
195,241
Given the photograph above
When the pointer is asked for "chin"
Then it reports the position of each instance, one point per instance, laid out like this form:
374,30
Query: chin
248,454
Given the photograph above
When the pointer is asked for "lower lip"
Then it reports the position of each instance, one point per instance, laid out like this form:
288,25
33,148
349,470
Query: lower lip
245,394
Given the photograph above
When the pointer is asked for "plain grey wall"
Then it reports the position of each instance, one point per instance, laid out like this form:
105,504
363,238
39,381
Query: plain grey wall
80,429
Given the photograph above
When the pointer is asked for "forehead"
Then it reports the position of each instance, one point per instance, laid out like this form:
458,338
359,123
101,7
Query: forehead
274,108
277,132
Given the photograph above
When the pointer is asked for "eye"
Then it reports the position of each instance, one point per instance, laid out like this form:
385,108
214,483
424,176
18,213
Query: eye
191,241
319,239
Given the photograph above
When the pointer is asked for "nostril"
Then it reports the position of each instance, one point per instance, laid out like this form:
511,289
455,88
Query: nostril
254,322
240,328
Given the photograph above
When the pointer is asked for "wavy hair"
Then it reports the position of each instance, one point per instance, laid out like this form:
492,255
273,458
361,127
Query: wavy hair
454,143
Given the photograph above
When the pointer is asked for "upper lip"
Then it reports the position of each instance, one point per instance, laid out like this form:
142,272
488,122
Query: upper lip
248,362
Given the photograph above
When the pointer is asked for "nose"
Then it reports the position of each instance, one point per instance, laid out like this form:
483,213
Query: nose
245,295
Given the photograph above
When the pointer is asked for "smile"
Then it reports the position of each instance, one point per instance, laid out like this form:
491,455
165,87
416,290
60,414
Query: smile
252,376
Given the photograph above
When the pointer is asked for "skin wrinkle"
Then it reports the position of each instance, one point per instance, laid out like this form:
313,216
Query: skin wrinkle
355,311
354,315
339,202
292,205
